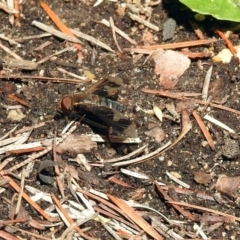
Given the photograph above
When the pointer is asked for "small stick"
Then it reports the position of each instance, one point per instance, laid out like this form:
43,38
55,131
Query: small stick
228,43
9,140
36,236
55,54
228,216
56,167
114,34
218,123
143,158
56,32
26,129
109,204
18,205
197,30
113,139
72,74
27,198
39,154
183,184
69,219
10,4
8,133
23,147
5,162
185,53
10,41
17,15
139,150
7,107
119,31
33,37
19,100
65,80
92,40
204,129
6,235
135,217
144,22
7,9
9,51
177,96
179,209
179,45
58,22
42,46
206,84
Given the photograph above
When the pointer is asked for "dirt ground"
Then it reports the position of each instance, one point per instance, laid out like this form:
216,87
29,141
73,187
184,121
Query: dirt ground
191,160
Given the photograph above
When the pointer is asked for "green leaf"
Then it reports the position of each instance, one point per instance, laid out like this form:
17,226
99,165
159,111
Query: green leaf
220,9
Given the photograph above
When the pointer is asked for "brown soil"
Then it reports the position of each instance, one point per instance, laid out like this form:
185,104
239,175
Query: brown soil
187,157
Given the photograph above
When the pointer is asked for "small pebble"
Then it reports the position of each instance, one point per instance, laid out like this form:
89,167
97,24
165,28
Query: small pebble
168,29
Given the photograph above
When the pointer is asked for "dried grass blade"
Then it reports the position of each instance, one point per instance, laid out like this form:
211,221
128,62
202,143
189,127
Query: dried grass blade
131,213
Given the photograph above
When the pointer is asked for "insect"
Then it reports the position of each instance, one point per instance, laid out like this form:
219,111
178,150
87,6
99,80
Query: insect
99,107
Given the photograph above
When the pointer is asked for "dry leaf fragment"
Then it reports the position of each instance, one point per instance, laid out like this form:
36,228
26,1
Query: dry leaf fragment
121,10
202,178
71,170
81,160
158,112
119,182
228,186
137,194
16,115
148,38
76,144
156,132
170,65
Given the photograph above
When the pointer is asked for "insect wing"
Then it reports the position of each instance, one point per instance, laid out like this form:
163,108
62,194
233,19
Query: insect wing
106,88
114,119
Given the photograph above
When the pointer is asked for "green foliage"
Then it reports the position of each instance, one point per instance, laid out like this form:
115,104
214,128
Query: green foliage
220,9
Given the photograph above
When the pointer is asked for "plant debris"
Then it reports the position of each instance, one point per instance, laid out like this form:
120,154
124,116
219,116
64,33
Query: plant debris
109,133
